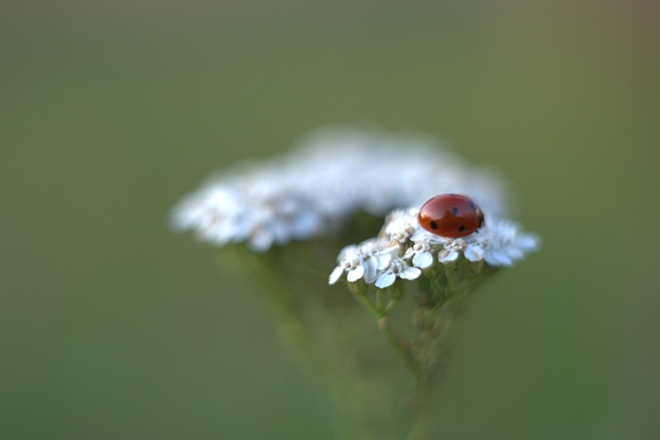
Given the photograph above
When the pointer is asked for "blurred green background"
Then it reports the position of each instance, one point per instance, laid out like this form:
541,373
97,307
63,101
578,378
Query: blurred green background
113,327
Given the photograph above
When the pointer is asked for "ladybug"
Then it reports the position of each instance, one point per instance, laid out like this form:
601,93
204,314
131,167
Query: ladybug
451,215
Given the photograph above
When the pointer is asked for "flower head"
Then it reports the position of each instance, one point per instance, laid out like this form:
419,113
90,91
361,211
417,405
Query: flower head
499,243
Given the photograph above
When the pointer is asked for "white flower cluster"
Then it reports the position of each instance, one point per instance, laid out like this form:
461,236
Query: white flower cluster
404,248
316,188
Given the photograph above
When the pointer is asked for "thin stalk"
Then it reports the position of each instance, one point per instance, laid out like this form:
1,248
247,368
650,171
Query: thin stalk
421,412
400,345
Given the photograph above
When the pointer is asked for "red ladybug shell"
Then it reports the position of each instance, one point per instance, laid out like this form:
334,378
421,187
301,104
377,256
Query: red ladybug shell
451,215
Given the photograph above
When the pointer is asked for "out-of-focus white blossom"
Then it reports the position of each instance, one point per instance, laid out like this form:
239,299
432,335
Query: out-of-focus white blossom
316,189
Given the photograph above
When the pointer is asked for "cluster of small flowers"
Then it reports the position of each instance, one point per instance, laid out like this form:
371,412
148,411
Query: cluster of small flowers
315,189
403,248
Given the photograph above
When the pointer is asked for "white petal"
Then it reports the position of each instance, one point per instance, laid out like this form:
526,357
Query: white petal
422,259
335,275
347,251
370,266
410,273
383,260
385,280
474,252
447,256
419,235
355,274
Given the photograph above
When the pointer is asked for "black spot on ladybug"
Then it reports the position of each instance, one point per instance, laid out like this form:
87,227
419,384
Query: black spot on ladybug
454,211
433,225
473,205
461,228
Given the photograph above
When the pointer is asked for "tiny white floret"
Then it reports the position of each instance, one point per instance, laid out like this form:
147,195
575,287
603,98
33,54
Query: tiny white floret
397,268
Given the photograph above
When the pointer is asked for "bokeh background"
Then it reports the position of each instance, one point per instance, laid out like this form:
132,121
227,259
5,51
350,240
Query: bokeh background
113,327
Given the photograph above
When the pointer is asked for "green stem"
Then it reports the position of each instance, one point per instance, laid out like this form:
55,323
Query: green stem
421,412
364,299
400,345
